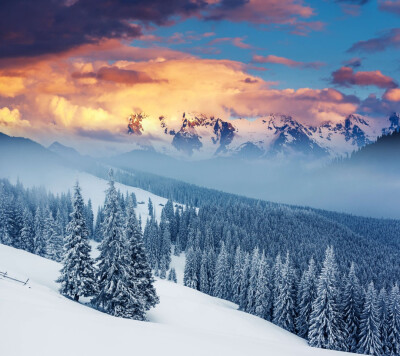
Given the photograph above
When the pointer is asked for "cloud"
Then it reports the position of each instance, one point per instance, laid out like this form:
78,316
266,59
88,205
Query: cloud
353,2
11,121
345,76
386,40
355,62
117,75
286,61
57,26
392,6
392,95
235,41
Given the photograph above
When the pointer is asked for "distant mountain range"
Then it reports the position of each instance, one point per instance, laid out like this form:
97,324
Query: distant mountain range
201,136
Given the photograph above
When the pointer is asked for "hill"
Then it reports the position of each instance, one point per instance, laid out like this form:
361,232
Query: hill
37,321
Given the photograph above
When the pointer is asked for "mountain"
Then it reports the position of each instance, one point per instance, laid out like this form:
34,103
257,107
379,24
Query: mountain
64,151
202,136
380,156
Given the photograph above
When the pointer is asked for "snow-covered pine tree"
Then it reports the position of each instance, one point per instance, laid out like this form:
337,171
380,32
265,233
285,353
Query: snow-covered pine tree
244,282
54,243
222,284
204,282
141,277
77,274
89,218
172,275
163,268
263,295
97,233
39,241
305,296
326,321
237,274
150,208
394,321
253,281
117,295
284,302
384,320
370,337
351,306
27,233
190,276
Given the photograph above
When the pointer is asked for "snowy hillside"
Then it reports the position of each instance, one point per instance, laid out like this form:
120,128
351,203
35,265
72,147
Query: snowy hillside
94,188
36,320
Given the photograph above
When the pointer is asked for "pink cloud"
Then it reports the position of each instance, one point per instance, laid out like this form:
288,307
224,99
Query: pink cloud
235,41
392,95
392,6
345,76
386,40
286,61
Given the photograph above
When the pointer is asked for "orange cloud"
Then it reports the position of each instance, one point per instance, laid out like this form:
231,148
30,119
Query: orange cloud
92,99
286,61
392,95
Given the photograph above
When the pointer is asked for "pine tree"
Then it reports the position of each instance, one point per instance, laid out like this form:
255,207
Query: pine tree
89,218
163,268
190,277
384,321
306,294
263,295
326,326
27,233
54,243
222,284
284,303
370,337
118,294
244,282
351,306
150,208
394,321
141,276
172,275
40,241
77,274
252,289
237,274
204,282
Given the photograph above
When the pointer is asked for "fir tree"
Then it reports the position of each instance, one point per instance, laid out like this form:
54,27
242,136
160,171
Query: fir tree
190,277
326,326
394,321
222,284
370,338
263,295
305,297
77,274
384,320
284,303
351,306
252,289
27,233
237,274
204,281
40,241
172,275
118,295
140,272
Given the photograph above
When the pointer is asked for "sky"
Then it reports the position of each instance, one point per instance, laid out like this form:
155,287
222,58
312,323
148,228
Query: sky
76,69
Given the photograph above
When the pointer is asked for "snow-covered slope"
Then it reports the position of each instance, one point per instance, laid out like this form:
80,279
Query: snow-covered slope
92,188
37,321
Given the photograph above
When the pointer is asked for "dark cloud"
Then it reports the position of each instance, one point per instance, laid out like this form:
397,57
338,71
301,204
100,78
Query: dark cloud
345,76
117,75
353,62
31,28
392,6
374,106
353,2
386,40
